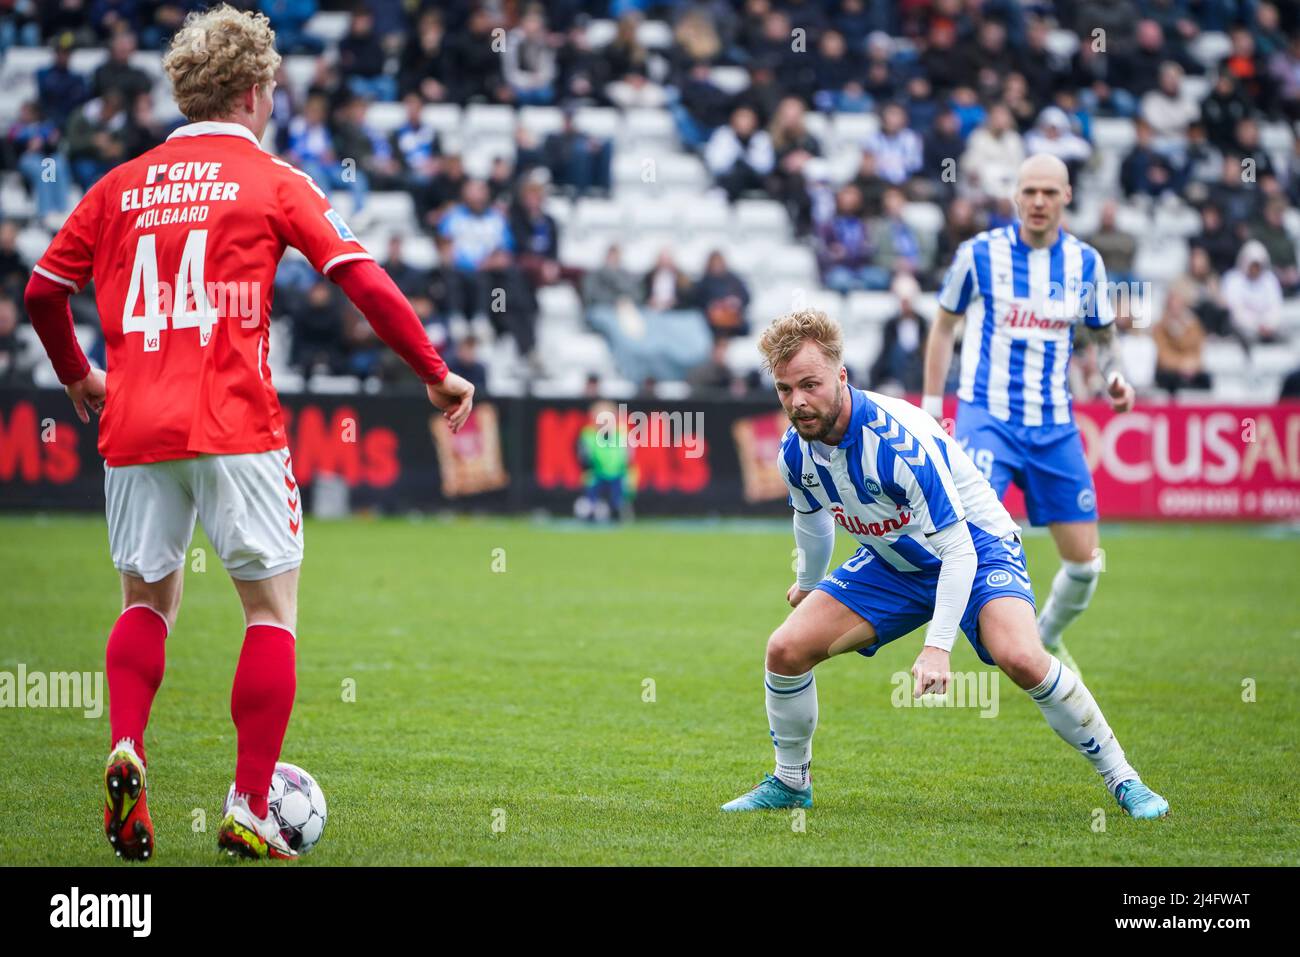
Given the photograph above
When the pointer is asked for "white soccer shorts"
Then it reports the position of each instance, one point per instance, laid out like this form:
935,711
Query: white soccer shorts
249,505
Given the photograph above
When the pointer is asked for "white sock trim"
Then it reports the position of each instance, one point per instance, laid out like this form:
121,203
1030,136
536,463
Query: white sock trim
272,624
163,618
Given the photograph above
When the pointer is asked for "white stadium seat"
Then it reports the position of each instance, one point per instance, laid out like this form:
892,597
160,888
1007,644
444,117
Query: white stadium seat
487,119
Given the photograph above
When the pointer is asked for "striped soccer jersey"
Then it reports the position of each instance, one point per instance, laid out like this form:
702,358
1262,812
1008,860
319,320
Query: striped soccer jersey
1016,348
893,479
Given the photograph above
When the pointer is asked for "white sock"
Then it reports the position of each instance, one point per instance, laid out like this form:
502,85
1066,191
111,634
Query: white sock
1072,589
792,718
1070,709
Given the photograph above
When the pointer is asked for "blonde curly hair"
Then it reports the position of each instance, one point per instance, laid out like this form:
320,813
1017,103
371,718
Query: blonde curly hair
786,336
216,56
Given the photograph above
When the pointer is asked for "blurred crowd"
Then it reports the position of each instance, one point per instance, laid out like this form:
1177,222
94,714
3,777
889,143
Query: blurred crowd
962,90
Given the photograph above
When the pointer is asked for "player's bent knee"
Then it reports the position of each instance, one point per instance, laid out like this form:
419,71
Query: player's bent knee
786,654
162,597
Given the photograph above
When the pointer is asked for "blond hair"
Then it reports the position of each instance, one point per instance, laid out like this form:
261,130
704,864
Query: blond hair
786,336
217,56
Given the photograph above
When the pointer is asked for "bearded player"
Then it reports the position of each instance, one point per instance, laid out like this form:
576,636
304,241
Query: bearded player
935,545
182,244
1038,285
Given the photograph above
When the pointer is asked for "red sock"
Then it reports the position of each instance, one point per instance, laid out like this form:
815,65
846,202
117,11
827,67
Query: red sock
260,703
134,661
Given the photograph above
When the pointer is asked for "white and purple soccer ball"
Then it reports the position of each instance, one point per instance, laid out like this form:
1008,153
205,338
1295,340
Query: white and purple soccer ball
297,803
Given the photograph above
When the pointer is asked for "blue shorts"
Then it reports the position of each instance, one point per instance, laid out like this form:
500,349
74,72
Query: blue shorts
897,603
1046,462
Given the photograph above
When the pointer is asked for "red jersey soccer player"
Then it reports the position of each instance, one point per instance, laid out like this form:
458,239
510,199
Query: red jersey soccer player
183,243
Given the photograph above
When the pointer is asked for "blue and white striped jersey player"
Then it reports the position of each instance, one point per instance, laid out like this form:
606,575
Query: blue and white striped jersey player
1038,286
936,546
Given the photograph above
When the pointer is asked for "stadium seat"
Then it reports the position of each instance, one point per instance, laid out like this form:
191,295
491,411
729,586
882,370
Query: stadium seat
328,25
655,34
1113,135
487,119
385,117
731,80
1161,261
761,218
333,384
1224,358
854,127
1273,360
926,218
299,69
541,121
1210,47
601,33
560,304
870,308
599,121
1138,353
443,117
648,127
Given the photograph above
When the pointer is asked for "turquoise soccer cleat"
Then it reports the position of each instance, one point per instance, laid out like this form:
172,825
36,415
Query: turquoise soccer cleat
769,794
1140,801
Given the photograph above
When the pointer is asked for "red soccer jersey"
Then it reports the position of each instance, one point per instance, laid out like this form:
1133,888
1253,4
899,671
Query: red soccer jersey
183,244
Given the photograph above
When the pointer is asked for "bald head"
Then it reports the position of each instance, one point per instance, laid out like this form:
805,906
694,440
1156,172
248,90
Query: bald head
1044,166
1042,193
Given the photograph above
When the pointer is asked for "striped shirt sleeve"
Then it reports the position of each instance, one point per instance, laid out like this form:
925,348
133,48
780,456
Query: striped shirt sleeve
959,285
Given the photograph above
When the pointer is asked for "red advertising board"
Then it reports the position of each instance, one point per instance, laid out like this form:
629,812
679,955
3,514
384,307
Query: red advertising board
1191,462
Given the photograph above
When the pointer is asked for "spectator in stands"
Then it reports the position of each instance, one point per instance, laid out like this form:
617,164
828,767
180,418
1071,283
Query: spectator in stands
96,138
1053,134
1099,78
470,366
289,20
844,252
723,297
425,66
1245,65
60,90
445,189
577,160
528,62
897,148
1202,164
900,364
1271,232
1146,171
14,271
993,155
10,374
536,234
1222,110
713,376
1045,71
409,279
1180,342
626,53
1284,68
372,152
583,72
1236,197
1202,283
740,155
870,184
318,332
666,287
361,58
1253,295
943,147
1117,247
117,73
475,65
793,146
897,245
1167,109
1250,150
34,142
311,149
1290,387
960,223
838,88
610,285
489,282
415,145
1015,97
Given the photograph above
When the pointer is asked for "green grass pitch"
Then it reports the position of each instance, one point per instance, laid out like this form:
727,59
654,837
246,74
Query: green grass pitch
500,715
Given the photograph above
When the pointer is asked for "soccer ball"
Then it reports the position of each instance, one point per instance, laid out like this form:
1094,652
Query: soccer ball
297,803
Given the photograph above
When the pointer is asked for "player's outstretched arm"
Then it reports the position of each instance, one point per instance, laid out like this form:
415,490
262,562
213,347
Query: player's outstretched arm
938,357
47,305
373,292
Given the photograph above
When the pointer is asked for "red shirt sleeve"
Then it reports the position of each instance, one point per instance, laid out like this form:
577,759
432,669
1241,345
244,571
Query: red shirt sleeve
310,224
373,291
70,258
47,306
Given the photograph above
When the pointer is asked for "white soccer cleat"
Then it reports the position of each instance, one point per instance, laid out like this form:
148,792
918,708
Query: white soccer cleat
243,833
